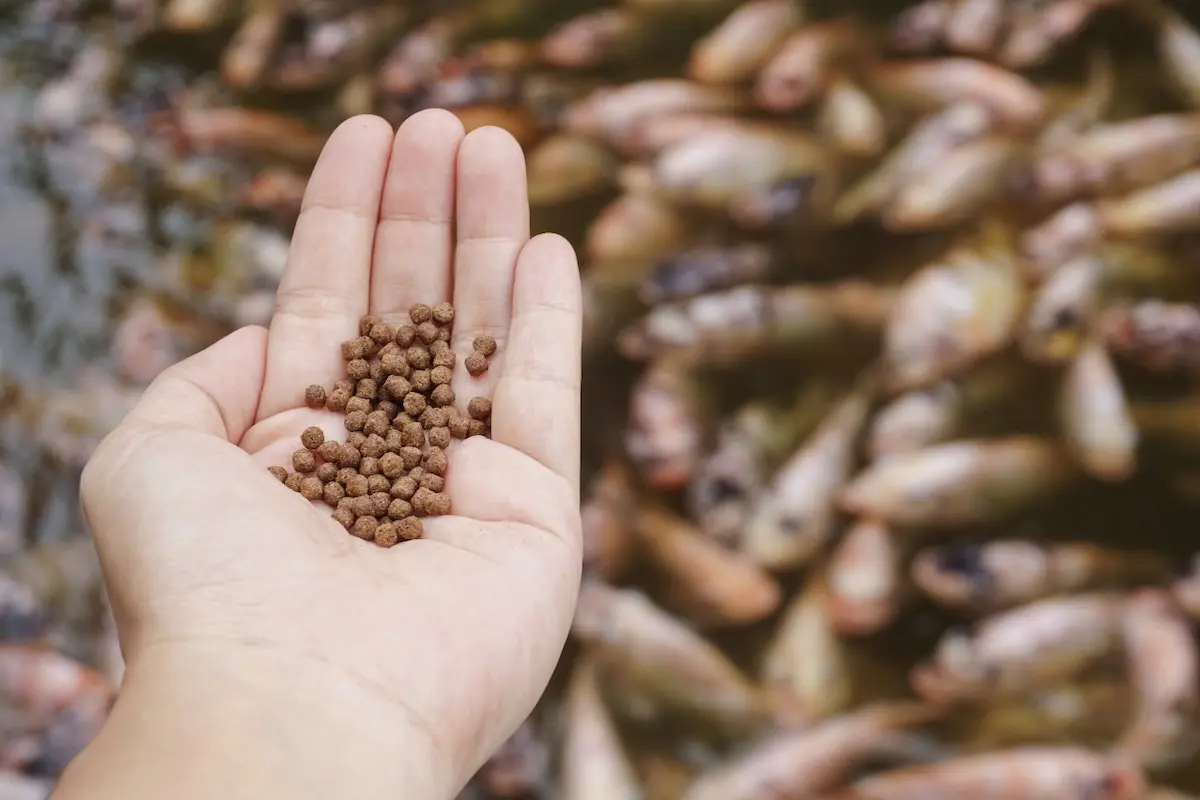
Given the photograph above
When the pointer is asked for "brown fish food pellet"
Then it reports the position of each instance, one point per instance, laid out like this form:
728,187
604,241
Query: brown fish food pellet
427,332
418,357
330,451
312,437
404,488
412,434
437,504
377,424
363,506
357,403
333,493
421,380
366,323
436,461
304,461
343,517
405,336
314,396
484,344
311,488
367,389
439,437
420,498
398,409
373,446
338,400
389,409
414,404
476,364
479,408
357,485
369,348
435,418
394,364
391,465
442,395
409,528
411,456
381,334
386,536
364,528
397,387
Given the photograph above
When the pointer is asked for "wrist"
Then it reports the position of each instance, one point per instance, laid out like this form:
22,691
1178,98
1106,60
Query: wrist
204,720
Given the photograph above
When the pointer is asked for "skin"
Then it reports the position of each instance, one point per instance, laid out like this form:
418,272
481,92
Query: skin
271,654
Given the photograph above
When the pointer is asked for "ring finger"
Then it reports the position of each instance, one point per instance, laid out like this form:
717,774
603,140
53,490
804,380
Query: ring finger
493,226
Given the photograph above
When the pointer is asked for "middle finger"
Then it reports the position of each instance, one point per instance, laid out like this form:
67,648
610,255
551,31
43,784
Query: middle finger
415,237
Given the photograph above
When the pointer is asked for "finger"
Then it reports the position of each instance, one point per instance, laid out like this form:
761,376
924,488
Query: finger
214,392
493,226
415,239
325,286
537,398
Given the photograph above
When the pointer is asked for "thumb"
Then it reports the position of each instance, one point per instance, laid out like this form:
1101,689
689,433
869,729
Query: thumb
213,393
170,478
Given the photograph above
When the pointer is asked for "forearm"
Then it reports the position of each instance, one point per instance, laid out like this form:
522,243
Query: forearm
204,727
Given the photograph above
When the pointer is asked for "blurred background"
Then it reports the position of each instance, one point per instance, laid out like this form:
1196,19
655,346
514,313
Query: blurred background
892,431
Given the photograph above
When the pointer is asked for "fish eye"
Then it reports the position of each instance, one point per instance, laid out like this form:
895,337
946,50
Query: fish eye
792,524
726,491
965,560
1065,318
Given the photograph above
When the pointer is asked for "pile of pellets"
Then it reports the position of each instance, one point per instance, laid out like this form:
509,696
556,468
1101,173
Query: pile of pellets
400,416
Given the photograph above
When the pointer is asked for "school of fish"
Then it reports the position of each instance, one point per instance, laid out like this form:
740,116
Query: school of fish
892,364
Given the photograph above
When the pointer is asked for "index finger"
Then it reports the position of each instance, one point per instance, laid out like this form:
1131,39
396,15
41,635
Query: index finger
535,408
327,280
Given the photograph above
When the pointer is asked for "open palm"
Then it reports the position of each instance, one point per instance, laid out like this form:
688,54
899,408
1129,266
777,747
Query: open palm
453,636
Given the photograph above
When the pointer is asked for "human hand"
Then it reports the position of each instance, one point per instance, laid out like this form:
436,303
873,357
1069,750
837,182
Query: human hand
419,659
